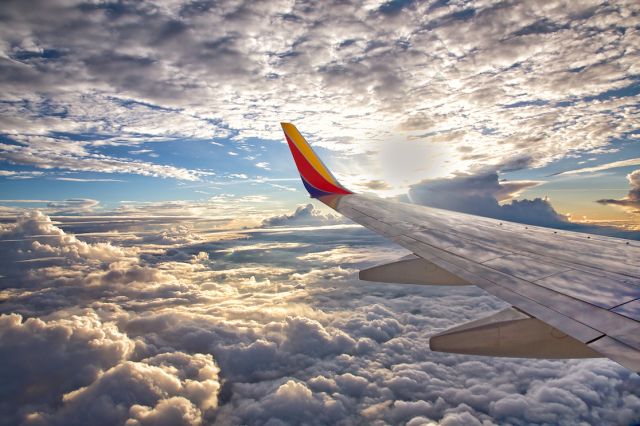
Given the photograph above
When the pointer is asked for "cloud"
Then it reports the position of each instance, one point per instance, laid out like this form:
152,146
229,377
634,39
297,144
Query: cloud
307,336
174,388
376,184
51,153
303,215
15,174
34,236
73,205
42,360
439,73
271,327
175,235
632,200
607,166
70,179
480,195
292,402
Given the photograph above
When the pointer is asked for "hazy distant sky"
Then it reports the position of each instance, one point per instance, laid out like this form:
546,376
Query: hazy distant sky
159,263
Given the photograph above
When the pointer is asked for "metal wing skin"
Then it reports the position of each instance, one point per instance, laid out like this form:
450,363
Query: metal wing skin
573,295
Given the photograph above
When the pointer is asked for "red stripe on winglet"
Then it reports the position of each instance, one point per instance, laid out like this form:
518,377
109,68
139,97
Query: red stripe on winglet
310,174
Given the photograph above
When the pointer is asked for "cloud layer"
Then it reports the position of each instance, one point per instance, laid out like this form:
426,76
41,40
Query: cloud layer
499,85
270,326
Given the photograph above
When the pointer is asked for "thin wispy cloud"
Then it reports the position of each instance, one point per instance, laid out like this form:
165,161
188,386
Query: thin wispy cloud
70,179
601,167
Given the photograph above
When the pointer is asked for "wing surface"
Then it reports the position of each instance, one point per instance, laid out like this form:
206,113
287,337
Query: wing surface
583,286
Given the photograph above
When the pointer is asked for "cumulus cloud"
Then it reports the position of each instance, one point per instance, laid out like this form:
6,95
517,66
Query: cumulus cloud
42,360
303,215
171,388
485,195
480,195
292,402
272,327
35,239
303,335
178,234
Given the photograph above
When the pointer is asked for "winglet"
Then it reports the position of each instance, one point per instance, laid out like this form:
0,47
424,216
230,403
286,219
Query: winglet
316,177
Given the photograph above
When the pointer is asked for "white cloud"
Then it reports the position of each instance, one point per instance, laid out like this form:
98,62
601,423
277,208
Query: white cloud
73,205
607,166
70,179
42,360
174,388
272,326
14,174
51,153
303,215
502,85
36,236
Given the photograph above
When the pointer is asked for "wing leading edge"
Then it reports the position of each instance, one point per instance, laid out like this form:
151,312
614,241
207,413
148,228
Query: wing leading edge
573,295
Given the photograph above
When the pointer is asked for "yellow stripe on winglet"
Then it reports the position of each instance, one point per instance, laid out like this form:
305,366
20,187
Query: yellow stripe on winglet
308,153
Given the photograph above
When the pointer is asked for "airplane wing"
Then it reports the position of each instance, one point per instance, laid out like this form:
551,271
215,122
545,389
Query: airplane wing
573,295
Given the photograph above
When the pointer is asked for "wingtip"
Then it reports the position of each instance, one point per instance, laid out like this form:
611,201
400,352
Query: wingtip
316,177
